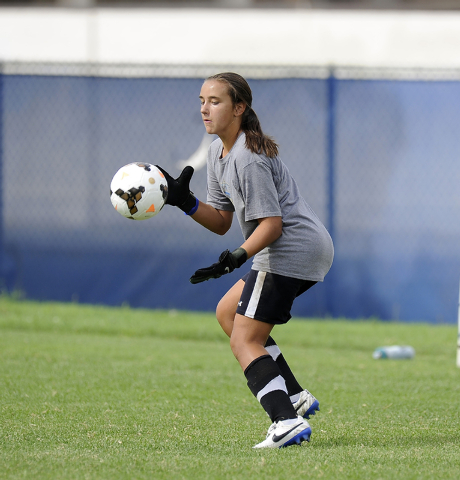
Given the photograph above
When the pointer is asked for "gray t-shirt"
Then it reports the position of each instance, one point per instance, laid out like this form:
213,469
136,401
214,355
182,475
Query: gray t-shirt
255,186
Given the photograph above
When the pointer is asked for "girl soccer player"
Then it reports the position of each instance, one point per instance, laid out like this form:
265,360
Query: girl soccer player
291,249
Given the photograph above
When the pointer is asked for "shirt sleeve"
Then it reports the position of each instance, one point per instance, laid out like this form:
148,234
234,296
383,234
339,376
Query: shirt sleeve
258,190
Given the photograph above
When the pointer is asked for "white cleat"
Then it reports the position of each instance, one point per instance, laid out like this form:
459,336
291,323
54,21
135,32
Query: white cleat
306,405
281,435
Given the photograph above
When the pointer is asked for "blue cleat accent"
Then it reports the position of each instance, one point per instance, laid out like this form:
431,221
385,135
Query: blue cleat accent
312,410
299,438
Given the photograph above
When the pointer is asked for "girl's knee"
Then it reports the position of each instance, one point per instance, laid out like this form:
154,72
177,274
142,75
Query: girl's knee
222,313
225,317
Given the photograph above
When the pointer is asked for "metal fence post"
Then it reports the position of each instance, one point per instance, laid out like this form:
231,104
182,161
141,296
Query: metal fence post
331,119
331,180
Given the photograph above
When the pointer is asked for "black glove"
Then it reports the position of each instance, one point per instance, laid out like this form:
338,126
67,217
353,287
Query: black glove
179,194
226,264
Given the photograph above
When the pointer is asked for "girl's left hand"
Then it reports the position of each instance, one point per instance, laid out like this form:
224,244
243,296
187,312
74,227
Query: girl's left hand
226,264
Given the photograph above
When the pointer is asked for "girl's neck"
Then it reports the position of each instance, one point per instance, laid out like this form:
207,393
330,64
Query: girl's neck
228,142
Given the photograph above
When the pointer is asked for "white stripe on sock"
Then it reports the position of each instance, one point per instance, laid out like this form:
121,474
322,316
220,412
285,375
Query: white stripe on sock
255,297
295,398
274,351
277,383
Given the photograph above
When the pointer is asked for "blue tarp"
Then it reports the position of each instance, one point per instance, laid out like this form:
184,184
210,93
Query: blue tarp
380,165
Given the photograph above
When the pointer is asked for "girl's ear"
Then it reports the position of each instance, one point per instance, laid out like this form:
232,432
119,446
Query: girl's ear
239,109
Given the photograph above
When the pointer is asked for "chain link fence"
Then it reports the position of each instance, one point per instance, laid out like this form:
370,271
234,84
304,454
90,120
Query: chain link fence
376,154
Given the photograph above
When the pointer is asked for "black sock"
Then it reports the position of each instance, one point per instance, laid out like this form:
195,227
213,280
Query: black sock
292,385
268,386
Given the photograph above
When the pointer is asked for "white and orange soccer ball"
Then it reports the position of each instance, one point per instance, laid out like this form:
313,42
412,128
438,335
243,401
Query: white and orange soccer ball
138,191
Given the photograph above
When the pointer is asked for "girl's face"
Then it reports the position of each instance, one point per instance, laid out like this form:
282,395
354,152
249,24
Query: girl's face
219,115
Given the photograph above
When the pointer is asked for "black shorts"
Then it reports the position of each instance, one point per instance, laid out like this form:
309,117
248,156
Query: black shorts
268,297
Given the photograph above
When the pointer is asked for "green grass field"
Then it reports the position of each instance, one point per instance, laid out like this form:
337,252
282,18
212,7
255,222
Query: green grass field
120,393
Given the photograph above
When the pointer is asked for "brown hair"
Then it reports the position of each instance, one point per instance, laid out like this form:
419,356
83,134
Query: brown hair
240,92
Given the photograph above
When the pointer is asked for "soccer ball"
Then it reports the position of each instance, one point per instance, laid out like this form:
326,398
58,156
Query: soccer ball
138,191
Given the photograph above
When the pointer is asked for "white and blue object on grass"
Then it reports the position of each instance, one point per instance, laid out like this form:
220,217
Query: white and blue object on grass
396,352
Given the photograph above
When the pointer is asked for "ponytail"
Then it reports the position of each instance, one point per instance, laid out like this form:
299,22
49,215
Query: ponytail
256,140
240,92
